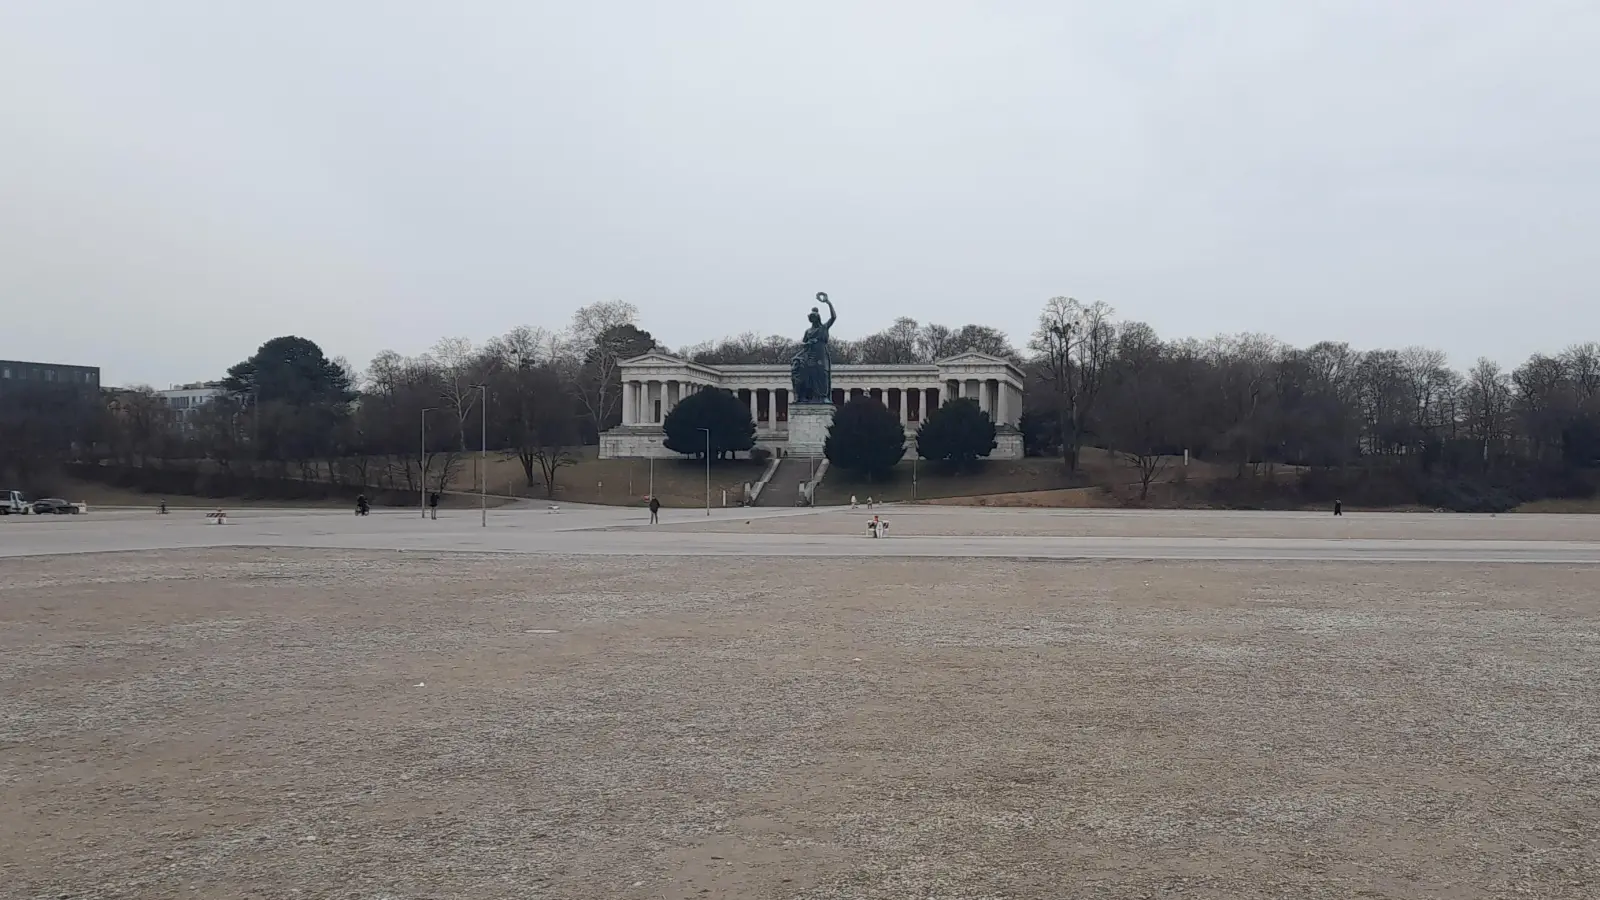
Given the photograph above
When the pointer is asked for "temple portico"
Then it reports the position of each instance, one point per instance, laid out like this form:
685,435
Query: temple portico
654,383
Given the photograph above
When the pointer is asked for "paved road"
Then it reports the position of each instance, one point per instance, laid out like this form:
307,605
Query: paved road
579,531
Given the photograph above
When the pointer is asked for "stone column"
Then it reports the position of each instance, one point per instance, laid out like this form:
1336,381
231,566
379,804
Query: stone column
772,409
1000,402
627,403
900,407
754,416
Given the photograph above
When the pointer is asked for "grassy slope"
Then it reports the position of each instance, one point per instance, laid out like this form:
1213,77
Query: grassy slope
681,483
622,482
1024,482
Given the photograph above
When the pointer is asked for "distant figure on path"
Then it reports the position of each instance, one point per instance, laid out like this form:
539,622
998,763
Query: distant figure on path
163,507
1338,507
655,510
433,505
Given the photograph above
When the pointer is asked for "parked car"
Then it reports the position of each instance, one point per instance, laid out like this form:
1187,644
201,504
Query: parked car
13,503
54,505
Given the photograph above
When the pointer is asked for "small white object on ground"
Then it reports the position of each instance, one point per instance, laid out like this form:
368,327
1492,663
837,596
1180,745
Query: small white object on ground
422,684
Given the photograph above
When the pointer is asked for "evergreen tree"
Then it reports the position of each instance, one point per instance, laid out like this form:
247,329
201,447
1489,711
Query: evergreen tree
290,370
865,439
957,433
729,420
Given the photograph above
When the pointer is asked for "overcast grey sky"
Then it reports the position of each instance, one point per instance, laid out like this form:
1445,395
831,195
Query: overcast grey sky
183,179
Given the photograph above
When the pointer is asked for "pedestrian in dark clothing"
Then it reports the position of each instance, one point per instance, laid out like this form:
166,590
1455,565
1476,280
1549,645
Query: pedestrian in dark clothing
655,510
433,505
1338,507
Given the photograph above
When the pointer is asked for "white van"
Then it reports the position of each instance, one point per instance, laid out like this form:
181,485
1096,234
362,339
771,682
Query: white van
12,503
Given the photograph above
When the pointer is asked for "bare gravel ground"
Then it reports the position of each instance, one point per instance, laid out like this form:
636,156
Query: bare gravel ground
930,520
378,725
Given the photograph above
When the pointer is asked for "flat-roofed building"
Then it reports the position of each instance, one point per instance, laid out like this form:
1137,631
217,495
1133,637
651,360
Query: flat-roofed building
17,376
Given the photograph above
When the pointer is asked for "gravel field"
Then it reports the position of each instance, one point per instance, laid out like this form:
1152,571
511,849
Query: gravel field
252,723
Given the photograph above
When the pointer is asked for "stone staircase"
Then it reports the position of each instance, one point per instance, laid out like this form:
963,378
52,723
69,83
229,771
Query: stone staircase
784,488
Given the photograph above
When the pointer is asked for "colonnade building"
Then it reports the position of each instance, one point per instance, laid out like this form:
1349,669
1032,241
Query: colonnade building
654,383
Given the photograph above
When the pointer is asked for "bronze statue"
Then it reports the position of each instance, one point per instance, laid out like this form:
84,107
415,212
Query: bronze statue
811,372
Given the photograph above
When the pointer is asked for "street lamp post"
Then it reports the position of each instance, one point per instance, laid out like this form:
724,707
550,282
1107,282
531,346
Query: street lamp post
708,470
424,463
483,454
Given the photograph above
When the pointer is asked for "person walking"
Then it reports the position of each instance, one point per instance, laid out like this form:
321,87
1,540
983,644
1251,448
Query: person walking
433,505
1338,507
655,510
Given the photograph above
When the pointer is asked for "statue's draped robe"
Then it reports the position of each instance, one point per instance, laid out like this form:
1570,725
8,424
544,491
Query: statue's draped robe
812,370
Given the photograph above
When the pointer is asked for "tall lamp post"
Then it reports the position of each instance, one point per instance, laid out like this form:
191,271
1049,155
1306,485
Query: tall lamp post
483,454
708,470
424,466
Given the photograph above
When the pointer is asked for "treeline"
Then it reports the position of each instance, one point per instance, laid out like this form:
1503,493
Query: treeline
292,415
1377,426
904,342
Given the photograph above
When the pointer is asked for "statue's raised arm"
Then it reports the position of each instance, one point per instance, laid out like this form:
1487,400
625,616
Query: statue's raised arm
833,315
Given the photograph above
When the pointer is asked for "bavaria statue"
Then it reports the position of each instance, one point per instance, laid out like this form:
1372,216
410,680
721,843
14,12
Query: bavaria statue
811,371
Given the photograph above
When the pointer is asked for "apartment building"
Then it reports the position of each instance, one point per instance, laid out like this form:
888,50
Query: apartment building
17,376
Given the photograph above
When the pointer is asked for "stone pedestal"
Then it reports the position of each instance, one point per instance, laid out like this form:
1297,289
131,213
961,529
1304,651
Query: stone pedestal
1007,443
808,428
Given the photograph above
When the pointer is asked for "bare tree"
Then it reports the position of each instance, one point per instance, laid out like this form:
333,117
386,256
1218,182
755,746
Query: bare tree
1544,402
603,335
1486,398
460,368
1427,374
524,345
1582,362
895,345
980,339
1074,344
1141,419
